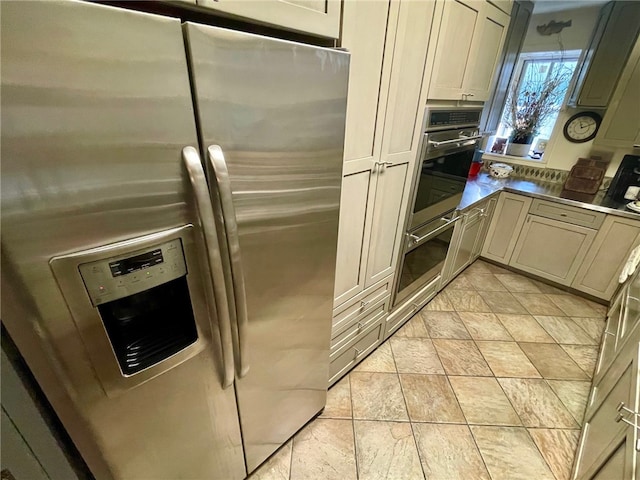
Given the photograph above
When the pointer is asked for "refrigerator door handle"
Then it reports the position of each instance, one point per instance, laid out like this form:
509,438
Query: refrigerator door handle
191,160
219,168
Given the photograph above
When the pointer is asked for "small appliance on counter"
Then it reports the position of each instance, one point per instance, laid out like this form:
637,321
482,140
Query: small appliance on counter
627,177
500,170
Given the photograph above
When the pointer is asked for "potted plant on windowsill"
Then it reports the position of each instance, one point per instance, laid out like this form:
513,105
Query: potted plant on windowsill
529,104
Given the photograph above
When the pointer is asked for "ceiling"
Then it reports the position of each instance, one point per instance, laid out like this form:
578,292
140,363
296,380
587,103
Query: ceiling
547,6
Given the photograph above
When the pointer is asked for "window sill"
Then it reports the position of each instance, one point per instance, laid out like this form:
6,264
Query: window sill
540,163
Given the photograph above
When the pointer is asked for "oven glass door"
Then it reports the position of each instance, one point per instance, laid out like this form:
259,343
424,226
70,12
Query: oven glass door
423,260
440,184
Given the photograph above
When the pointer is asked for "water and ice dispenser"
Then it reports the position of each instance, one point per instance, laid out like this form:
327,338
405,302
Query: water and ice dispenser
144,303
133,305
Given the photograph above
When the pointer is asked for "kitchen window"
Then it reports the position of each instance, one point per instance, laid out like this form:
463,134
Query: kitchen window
533,70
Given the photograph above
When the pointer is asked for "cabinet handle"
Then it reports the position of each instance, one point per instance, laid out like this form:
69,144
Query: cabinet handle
363,304
609,333
622,408
358,352
360,325
620,418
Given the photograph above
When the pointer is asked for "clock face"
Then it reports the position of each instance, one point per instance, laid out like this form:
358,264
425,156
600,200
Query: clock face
582,127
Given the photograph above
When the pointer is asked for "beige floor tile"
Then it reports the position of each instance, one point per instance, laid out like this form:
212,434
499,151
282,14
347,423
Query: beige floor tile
478,268
386,450
506,359
461,282
537,304
377,396
324,449
448,452
510,454
413,328
440,303
467,301
444,325
574,396
484,326
415,355
517,283
546,288
564,330
558,447
430,399
536,404
598,307
495,269
552,361
593,326
524,328
277,467
483,402
502,302
381,360
338,400
573,306
486,282
585,356
461,357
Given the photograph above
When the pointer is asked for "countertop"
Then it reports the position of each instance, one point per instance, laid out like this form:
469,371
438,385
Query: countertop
484,185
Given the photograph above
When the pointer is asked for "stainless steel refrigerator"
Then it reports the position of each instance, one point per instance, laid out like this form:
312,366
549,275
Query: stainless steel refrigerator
170,199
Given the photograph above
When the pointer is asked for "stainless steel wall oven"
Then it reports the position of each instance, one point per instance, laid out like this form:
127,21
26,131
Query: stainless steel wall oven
450,139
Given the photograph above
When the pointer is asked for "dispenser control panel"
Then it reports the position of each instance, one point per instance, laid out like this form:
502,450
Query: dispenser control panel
117,277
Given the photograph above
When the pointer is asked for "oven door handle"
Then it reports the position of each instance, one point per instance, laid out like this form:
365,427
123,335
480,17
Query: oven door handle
462,139
416,240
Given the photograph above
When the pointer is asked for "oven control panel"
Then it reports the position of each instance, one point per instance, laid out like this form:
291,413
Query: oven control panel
446,118
117,277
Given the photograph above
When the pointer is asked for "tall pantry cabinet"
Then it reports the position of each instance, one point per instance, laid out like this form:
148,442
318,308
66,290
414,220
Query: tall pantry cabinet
388,41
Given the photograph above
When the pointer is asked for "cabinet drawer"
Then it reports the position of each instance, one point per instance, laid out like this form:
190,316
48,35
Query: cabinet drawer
565,213
409,308
344,316
344,359
360,323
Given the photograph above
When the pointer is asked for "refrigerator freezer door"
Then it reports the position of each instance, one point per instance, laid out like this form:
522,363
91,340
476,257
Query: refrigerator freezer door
277,111
96,109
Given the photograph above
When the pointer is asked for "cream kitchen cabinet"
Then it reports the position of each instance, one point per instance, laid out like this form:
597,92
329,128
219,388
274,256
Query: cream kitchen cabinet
467,50
608,448
621,124
551,249
315,17
510,214
599,271
381,142
467,240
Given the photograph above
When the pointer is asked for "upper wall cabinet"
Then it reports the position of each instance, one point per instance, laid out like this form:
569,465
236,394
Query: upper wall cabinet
621,124
467,50
315,17
605,57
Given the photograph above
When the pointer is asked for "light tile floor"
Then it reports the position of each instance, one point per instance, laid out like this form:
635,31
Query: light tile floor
488,381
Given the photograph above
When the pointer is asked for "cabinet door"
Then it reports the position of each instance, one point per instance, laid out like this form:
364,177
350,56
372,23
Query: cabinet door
551,249
607,448
621,123
403,119
463,254
453,48
598,274
486,47
486,212
505,227
384,245
357,193
364,26
316,17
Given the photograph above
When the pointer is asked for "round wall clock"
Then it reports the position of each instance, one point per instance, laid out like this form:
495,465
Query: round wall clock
582,127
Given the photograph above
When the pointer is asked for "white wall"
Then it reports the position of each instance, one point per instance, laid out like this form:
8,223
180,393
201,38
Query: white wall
574,37
560,153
